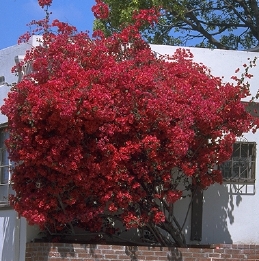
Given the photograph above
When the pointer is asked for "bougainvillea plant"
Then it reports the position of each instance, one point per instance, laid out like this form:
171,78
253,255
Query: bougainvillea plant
103,130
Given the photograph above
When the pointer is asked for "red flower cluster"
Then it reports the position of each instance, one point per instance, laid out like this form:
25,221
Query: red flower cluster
43,3
173,196
98,126
149,16
100,10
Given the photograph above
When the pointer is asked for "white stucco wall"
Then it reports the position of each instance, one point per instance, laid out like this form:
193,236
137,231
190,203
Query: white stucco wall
12,236
7,61
230,212
14,231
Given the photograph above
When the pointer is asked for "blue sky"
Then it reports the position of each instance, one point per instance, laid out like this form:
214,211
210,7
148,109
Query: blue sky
15,14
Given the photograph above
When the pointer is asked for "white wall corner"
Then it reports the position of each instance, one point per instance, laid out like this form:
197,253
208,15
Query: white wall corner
35,40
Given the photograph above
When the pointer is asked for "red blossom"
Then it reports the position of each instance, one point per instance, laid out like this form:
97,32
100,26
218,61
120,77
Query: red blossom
100,10
43,3
173,196
149,16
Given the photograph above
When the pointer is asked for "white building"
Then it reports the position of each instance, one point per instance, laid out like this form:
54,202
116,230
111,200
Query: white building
14,231
225,213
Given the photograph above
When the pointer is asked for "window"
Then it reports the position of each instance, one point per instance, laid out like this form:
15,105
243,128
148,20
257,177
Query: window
241,166
252,108
2,80
5,185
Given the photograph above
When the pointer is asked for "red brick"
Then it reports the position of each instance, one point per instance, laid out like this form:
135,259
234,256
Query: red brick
255,256
42,258
110,256
219,259
226,256
241,256
107,251
57,259
118,247
225,245
151,258
249,251
221,250
120,252
54,254
194,250
102,246
165,253
189,259
142,248
81,250
124,257
232,251
95,255
92,253
216,255
86,252
146,252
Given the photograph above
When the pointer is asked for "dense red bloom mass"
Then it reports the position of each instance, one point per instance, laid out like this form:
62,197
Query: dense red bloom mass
103,126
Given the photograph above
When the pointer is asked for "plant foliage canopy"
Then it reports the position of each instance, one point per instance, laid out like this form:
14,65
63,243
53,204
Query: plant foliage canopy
223,24
103,132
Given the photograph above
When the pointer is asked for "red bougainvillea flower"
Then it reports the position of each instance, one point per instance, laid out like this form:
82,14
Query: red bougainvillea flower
173,196
43,3
100,10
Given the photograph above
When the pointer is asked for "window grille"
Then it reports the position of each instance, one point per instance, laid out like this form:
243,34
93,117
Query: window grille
241,166
5,184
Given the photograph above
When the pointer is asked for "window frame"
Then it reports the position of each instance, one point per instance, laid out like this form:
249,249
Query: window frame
252,107
5,181
241,164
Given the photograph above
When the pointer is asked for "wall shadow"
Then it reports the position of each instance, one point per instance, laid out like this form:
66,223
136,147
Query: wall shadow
8,230
131,251
9,247
217,212
173,253
66,252
223,206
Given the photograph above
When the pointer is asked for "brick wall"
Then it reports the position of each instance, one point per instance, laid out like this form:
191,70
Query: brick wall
84,252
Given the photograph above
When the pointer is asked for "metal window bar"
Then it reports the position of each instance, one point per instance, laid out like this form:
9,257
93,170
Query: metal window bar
241,166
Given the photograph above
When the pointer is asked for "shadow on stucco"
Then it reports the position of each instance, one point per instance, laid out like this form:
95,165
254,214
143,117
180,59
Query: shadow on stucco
218,209
219,204
10,246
